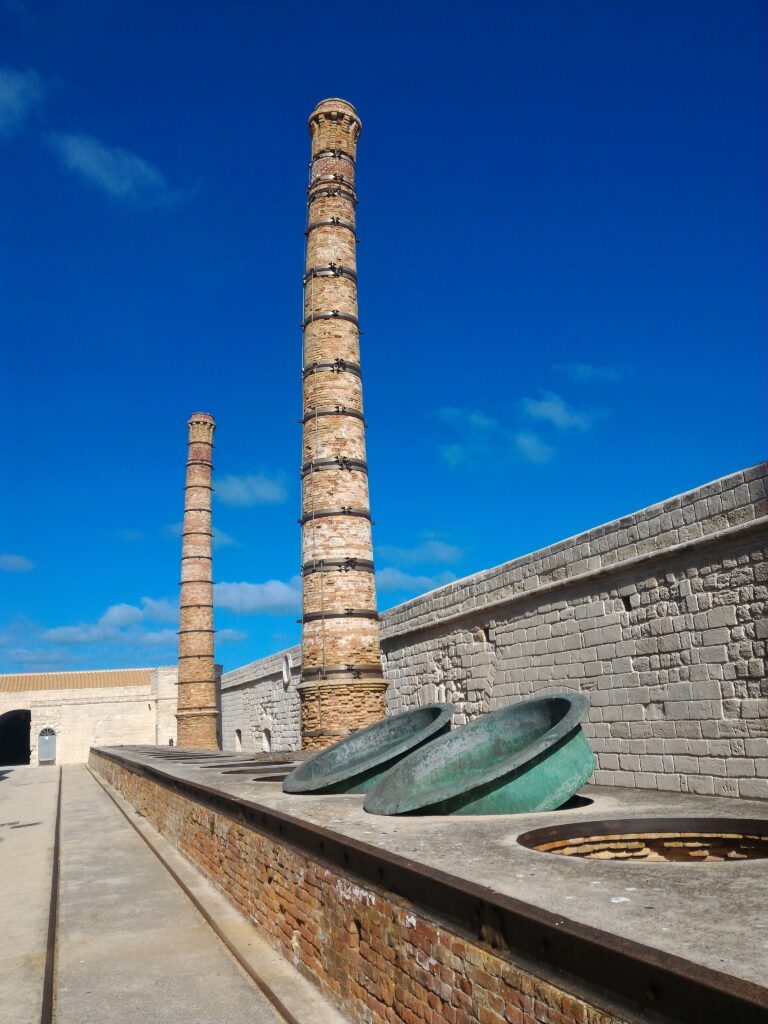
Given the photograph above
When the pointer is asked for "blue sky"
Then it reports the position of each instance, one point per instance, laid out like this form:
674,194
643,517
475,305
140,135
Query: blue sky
563,223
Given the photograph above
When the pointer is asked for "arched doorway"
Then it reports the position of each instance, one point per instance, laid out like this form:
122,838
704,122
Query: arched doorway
238,740
46,746
266,740
14,736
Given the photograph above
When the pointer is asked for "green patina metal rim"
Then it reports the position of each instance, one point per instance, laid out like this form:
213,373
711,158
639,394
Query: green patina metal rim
302,779
554,737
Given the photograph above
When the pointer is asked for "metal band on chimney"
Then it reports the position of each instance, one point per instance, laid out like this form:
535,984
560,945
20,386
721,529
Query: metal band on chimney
339,193
330,270
337,366
332,222
346,510
342,462
329,314
349,613
339,410
339,154
337,565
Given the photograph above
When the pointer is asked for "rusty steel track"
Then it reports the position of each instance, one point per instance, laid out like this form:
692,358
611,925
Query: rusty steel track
49,976
641,982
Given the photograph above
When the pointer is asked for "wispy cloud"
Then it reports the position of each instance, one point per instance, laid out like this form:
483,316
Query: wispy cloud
483,436
590,373
230,636
271,598
121,623
20,93
250,489
533,448
132,536
551,408
118,172
16,563
431,549
124,635
396,579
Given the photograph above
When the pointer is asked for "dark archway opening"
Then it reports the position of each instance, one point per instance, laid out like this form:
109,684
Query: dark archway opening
14,737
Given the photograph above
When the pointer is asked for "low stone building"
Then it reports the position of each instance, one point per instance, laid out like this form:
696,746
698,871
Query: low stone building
58,716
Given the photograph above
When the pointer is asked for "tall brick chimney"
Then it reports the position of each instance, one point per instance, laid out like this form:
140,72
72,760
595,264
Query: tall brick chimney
342,687
197,712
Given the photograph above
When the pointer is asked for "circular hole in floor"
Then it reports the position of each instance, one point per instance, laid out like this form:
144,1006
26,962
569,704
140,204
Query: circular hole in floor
655,840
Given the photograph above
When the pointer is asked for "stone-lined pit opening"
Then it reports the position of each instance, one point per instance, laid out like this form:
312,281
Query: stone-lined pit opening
651,841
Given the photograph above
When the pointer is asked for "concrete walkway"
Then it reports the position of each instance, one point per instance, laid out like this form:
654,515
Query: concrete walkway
131,948
27,825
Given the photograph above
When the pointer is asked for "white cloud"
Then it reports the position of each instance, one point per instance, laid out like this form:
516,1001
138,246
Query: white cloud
120,173
161,610
474,419
271,598
484,437
533,448
224,540
396,579
15,563
589,373
119,615
428,550
454,454
20,92
551,408
227,636
250,489
121,623
130,535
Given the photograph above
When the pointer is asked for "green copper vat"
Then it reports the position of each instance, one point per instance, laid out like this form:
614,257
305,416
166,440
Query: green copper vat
531,756
355,763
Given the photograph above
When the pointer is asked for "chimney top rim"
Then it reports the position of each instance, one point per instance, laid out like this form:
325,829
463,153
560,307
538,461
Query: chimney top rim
204,417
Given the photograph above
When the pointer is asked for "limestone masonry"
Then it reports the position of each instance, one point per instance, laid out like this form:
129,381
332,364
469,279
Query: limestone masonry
342,687
659,617
85,709
197,712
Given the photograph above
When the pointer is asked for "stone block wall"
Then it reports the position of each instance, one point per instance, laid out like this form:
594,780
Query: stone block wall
260,708
660,617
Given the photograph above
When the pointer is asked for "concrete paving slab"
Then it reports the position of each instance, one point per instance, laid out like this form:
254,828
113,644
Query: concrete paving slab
28,798
131,948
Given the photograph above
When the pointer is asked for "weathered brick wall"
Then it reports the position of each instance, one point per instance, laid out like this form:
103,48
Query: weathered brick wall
660,617
371,953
